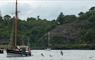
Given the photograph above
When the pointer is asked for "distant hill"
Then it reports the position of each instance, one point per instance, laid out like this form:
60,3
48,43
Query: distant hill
75,34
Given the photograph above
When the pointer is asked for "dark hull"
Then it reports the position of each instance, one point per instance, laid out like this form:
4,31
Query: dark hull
13,53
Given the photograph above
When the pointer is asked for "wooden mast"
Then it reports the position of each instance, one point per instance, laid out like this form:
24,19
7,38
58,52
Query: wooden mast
16,24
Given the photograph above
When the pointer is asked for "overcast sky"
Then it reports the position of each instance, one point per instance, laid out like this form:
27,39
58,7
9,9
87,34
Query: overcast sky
48,9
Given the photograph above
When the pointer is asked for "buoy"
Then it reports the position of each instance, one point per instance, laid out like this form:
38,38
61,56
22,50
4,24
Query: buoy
61,53
42,54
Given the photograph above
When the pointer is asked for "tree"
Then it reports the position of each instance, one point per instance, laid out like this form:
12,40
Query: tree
7,17
69,18
92,9
31,19
1,19
60,18
81,13
38,18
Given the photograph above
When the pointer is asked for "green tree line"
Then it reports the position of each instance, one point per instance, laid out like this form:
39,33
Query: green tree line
33,29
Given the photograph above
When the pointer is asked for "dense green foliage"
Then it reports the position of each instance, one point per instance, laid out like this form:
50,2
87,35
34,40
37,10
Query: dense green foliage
67,31
30,29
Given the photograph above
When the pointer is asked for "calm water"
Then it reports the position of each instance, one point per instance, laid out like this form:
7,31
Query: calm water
55,55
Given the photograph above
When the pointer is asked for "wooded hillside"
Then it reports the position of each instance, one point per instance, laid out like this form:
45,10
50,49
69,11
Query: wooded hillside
66,32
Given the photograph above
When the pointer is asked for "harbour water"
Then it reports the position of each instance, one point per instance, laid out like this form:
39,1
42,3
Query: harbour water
55,55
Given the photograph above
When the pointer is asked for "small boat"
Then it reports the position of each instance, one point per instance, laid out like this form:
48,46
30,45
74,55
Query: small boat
48,47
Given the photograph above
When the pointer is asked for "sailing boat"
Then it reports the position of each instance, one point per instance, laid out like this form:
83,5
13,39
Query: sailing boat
14,49
48,48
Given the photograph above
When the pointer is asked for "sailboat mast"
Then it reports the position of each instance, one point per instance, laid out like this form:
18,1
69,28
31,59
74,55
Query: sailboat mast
16,23
48,39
